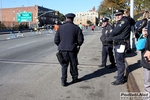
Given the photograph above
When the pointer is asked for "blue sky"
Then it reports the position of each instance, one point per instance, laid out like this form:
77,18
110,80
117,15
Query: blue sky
64,6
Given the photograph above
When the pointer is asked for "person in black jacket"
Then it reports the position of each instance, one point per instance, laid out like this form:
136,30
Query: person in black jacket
145,61
107,41
132,23
139,25
68,37
127,14
121,33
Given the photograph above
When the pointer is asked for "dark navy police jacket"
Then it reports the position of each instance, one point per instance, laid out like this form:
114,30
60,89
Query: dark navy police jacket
106,38
122,29
68,37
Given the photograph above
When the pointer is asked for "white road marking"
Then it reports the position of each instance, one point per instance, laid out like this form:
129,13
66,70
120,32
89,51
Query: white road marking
19,45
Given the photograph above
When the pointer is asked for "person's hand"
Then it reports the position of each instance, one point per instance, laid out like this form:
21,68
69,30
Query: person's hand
147,55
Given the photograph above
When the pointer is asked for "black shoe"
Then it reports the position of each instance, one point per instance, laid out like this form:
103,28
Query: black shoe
76,80
128,50
112,66
125,78
118,82
64,84
102,66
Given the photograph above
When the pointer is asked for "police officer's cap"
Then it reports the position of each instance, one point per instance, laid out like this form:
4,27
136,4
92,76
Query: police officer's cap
70,15
118,12
105,19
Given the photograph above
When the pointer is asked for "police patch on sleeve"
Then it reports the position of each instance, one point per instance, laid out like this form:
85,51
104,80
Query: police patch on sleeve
122,22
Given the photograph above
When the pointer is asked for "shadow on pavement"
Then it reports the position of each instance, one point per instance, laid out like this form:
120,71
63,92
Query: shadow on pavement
98,73
131,54
132,67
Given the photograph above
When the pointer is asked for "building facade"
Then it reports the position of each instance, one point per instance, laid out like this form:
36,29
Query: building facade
83,17
40,16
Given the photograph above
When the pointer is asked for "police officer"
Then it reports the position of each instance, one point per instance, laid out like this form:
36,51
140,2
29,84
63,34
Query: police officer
68,37
107,41
120,34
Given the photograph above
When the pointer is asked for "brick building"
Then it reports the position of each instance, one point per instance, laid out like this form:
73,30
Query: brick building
46,16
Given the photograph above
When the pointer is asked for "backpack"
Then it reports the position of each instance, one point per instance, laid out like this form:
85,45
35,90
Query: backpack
140,45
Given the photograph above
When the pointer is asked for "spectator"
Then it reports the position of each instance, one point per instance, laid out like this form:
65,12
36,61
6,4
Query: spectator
145,62
92,28
56,27
80,25
141,24
132,23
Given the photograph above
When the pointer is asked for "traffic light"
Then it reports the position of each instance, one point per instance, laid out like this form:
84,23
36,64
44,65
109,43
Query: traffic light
56,12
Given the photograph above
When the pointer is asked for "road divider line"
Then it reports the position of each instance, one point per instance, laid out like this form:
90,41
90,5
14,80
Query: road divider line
29,62
19,45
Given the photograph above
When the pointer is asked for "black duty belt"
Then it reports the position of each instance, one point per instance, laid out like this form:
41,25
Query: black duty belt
119,42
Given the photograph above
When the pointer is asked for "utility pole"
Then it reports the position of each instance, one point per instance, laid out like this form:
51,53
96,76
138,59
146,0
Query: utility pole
1,11
132,8
132,39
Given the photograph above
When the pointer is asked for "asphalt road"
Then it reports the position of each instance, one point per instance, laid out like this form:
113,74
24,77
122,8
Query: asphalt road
29,70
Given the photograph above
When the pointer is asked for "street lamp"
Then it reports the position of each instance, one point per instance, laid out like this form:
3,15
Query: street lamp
112,10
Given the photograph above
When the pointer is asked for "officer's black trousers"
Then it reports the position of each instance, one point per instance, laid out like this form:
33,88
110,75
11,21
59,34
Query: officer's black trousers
120,61
107,50
70,57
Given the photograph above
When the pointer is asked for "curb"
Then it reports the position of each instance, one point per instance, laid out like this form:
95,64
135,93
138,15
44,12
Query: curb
131,82
132,85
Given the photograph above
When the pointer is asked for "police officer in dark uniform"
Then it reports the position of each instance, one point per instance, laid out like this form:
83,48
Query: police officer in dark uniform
107,41
68,37
120,34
